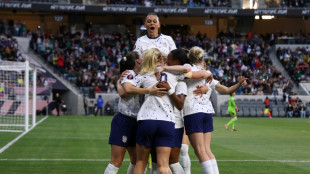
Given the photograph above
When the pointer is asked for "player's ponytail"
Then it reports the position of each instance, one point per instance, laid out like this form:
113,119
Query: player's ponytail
196,55
129,61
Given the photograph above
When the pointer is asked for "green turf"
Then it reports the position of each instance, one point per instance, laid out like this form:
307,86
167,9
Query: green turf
79,145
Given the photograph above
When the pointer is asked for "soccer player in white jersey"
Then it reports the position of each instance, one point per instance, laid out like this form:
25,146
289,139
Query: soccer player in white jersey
176,57
155,118
203,92
206,89
196,120
124,124
154,39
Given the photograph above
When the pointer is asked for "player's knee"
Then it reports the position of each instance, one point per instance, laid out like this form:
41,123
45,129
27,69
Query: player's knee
210,155
164,170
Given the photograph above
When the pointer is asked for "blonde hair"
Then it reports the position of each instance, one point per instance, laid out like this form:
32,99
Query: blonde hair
196,55
152,58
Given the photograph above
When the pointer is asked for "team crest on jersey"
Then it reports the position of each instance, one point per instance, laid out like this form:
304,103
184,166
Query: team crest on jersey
130,76
124,139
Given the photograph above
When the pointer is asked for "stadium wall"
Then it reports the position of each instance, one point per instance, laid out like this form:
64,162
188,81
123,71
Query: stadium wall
217,99
280,24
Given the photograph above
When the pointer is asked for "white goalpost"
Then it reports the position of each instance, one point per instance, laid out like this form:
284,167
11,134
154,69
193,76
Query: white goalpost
17,96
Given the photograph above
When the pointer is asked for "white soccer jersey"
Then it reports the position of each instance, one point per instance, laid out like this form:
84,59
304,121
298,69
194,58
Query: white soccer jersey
181,89
130,105
195,104
208,94
158,108
163,42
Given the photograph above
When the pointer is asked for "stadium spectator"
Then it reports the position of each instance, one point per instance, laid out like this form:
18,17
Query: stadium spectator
302,110
100,102
57,103
290,110
296,112
63,107
286,97
275,98
296,63
108,108
85,102
91,61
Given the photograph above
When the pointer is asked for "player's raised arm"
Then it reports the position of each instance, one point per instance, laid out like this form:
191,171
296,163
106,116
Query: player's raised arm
228,90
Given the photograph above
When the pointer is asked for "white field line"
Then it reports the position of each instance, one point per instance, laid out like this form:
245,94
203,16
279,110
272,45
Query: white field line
20,136
105,160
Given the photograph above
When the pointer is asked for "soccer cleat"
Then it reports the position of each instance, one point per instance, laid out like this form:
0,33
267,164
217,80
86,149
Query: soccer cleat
226,127
234,130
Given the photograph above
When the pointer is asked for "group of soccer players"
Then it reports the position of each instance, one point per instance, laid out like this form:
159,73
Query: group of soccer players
177,92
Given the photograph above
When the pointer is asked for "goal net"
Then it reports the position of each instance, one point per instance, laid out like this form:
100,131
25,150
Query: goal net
17,96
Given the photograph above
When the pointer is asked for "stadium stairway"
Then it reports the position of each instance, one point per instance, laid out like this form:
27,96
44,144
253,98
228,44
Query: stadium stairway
73,98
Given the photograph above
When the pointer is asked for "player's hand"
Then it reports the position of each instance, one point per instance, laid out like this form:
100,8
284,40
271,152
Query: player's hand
242,81
158,91
210,78
159,70
124,74
200,90
164,84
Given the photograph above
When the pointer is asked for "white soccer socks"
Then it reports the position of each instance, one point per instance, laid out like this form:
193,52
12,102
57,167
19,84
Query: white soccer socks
130,168
111,169
154,169
185,161
176,168
206,167
214,166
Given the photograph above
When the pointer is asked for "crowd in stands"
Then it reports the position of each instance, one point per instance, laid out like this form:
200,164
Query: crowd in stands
9,48
87,59
91,60
17,29
295,107
296,62
9,52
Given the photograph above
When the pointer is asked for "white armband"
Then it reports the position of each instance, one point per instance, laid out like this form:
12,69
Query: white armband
171,91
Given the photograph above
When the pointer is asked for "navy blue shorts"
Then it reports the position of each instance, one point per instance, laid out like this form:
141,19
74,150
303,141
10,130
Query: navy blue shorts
198,122
155,133
178,137
123,130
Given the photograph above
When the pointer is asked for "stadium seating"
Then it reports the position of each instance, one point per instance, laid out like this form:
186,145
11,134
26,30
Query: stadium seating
296,62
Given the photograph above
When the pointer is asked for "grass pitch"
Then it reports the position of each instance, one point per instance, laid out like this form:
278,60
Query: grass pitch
79,145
